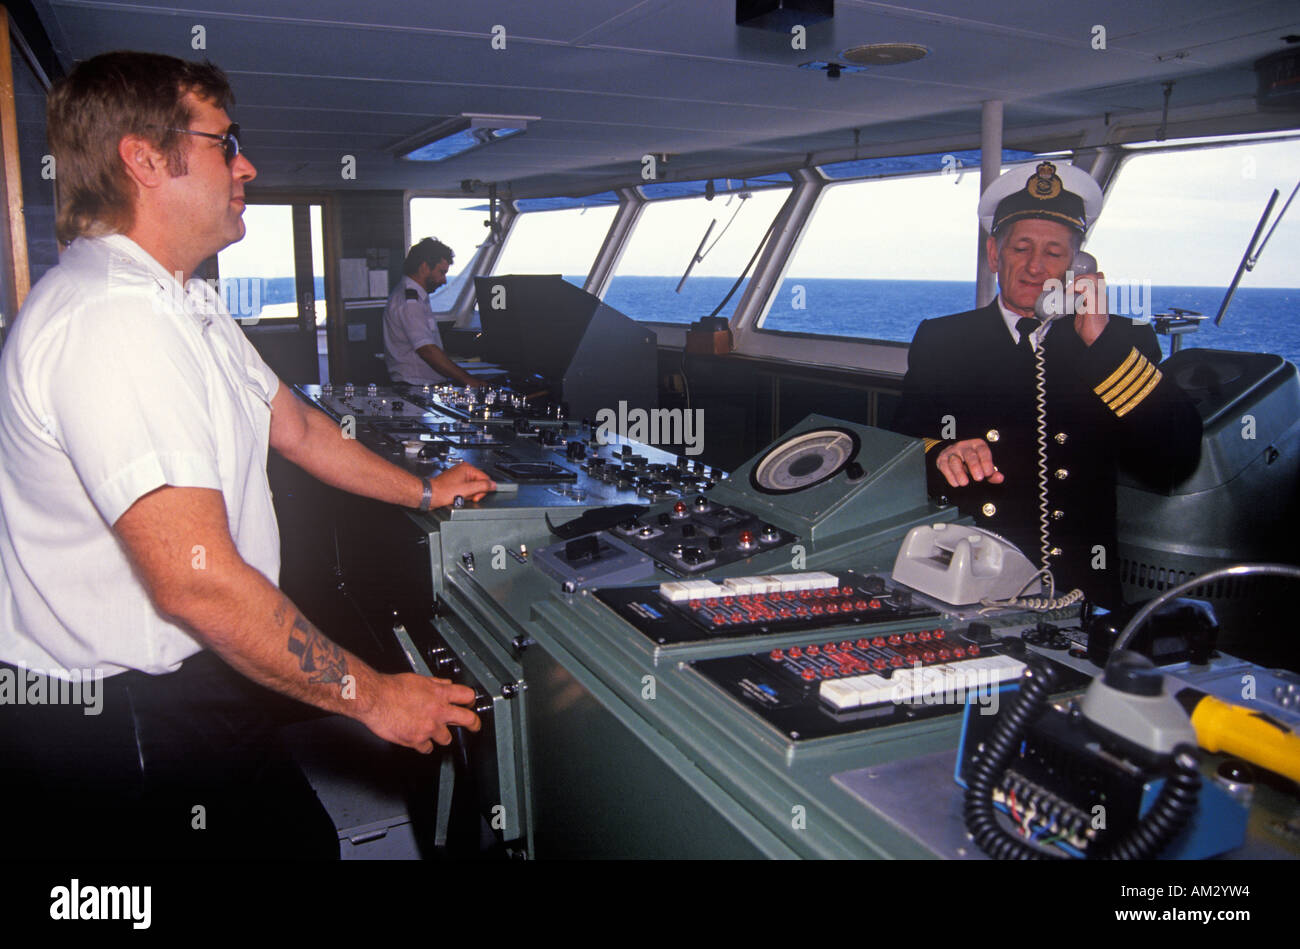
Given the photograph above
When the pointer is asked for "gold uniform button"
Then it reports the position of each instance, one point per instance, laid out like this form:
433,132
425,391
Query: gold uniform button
1061,474
1054,552
988,510
992,435
1057,515
1061,437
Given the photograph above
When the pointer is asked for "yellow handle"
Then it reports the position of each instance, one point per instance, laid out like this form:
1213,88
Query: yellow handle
1247,734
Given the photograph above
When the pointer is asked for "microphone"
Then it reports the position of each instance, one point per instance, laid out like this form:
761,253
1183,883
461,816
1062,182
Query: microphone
1053,304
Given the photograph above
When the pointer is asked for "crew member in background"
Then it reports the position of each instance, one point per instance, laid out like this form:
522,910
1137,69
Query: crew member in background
970,392
138,540
413,349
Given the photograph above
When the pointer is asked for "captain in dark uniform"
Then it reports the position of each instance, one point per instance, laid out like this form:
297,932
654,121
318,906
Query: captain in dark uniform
971,392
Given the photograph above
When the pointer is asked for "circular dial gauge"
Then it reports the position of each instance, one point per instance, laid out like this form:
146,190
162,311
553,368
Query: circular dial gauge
804,460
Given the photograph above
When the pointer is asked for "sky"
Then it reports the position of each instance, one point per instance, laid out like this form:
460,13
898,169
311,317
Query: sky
1174,219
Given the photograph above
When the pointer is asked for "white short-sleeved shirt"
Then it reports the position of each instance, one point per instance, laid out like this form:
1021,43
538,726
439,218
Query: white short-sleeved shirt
115,381
408,325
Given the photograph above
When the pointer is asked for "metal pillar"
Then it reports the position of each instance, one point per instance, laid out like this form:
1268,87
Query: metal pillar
990,167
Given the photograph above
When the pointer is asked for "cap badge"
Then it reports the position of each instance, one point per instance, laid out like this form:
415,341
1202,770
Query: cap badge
1044,184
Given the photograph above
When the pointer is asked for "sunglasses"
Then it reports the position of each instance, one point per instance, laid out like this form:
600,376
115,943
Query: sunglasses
229,139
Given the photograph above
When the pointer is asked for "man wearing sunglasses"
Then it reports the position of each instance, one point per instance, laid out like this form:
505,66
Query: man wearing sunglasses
138,541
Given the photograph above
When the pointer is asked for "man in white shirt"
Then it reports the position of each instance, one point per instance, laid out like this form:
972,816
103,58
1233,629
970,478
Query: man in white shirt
413,349
138,540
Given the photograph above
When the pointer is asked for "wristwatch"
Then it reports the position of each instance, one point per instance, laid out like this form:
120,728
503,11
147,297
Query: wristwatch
426,499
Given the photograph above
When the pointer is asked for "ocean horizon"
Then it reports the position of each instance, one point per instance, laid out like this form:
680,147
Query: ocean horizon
1259,319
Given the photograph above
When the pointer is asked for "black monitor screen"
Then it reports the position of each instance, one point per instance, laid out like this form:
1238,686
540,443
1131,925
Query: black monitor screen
532,323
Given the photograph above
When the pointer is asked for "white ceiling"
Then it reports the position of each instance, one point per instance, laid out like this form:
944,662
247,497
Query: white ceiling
613,80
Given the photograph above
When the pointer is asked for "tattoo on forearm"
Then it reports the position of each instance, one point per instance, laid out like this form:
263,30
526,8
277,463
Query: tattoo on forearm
324,660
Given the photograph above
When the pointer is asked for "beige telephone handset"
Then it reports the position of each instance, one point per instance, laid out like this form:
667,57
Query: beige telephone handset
1054,304
961,565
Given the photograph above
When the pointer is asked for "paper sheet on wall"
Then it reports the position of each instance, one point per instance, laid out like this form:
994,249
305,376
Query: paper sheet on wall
353,275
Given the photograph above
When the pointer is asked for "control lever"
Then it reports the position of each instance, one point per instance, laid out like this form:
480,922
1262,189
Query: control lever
467,810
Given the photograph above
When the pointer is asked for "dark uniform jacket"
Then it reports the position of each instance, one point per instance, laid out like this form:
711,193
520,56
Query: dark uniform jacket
1106,404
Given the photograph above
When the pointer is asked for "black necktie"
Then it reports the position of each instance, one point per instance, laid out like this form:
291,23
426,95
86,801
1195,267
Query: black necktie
1025,326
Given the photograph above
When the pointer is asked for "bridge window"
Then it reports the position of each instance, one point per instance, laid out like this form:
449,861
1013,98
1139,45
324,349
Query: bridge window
562,241
877,257
666,239
278,269
1175,228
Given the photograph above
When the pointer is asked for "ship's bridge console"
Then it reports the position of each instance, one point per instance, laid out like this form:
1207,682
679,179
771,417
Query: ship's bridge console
676,661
